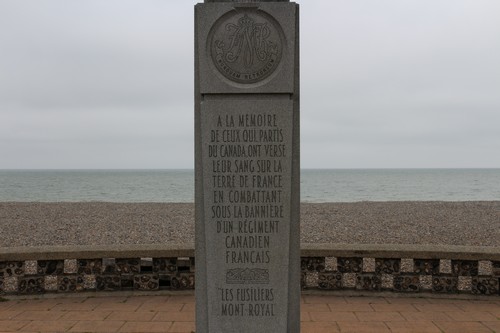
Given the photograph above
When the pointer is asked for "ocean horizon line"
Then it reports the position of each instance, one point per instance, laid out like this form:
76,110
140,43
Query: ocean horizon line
192,169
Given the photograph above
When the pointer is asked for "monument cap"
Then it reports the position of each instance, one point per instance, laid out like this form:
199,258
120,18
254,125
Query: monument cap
248,1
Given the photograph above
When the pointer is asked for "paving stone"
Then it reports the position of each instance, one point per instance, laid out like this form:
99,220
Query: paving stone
379,316
470,316
50,326
182,327
462,326
363,327
319,327
86,315
132,315
332,316
413,327
97,326
174,316
12,325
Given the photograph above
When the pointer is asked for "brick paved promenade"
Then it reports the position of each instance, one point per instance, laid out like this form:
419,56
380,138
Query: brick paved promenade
319,314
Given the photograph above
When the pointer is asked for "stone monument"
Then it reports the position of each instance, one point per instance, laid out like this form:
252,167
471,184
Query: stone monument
247,166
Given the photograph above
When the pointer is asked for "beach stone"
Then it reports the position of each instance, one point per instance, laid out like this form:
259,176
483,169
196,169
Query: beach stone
183,281
128,266
426,266
350,265
12,268
465,267
108,283
69,283
165,265
368,281
127,281
50,267
444,284
31,285
495,268
312,264
89,266
388,266
173,223
330,280
247,169
409,283
108,266
485,286
146,282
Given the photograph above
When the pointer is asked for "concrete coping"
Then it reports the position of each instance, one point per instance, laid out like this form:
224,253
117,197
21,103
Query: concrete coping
307,250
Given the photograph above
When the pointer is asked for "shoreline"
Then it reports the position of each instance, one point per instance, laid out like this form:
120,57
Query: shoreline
457,223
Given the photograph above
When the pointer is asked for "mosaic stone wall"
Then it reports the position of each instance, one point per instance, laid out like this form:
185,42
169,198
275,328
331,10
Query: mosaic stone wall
402,275
105,274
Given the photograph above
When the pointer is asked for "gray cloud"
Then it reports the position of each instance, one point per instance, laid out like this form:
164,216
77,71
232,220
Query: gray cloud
109,84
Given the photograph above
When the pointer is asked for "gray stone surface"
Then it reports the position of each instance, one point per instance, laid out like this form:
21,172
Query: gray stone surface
247,167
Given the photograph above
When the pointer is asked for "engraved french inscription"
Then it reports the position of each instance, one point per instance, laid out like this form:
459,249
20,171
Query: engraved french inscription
246,153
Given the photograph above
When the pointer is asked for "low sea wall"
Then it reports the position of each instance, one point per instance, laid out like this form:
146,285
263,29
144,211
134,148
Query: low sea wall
390,268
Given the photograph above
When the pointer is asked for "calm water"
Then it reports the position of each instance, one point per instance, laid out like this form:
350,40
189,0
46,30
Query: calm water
316,185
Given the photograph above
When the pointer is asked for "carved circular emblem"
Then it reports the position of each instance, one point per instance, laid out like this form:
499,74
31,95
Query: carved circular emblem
246,46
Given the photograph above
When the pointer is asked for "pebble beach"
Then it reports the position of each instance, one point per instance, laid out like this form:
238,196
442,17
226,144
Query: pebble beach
471,223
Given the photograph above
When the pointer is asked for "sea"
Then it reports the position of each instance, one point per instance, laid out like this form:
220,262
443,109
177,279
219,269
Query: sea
317,185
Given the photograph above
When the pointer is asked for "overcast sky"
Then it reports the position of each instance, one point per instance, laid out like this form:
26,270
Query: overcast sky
384,84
